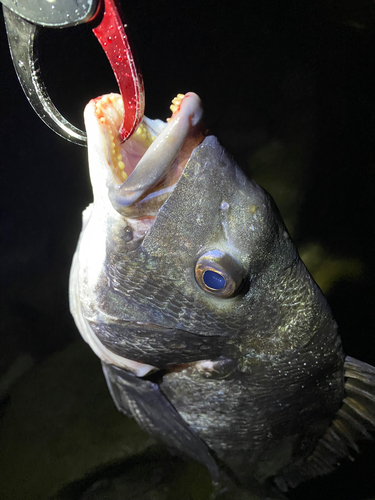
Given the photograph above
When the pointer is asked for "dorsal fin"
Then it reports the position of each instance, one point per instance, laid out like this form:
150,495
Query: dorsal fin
354,421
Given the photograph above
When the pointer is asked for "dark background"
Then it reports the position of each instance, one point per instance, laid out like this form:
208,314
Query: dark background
288,87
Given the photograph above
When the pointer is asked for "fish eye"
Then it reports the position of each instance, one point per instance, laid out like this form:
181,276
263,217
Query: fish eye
218,273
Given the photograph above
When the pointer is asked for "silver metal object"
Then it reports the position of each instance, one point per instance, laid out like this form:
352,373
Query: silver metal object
23,39
53,13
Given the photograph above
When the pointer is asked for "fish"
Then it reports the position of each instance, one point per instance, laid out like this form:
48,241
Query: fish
212,334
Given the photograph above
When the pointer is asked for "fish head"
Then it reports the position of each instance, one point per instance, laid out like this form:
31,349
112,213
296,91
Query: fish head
182,257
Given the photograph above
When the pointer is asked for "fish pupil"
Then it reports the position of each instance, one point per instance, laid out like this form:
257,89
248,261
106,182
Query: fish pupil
213,280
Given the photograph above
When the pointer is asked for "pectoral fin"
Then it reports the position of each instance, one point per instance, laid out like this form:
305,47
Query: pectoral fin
144,401
354,421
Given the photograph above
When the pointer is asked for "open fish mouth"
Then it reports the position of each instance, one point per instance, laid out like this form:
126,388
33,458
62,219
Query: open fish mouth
146,167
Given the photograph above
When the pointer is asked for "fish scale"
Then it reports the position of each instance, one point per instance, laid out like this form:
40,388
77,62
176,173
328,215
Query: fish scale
124,277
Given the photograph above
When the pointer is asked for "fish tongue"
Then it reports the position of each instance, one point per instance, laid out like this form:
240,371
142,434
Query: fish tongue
183,131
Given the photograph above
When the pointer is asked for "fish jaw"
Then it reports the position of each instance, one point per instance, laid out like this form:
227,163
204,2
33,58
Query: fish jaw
149,163
103,117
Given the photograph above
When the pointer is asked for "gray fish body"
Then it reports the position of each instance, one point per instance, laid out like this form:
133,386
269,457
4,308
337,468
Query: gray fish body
258,377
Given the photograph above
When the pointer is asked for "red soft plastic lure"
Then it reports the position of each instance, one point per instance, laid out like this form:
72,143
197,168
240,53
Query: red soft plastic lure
112,37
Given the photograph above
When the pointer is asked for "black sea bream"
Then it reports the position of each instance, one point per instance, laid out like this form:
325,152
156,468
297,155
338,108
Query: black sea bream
212,333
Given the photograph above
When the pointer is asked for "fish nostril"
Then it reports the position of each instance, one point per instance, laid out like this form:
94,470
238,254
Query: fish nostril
127,234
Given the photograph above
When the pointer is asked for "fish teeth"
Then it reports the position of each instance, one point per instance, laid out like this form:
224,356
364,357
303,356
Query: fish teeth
109,110
144,135
176,103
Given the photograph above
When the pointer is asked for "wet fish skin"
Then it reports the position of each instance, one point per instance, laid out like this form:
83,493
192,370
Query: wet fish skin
155,281
281,359
254,380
